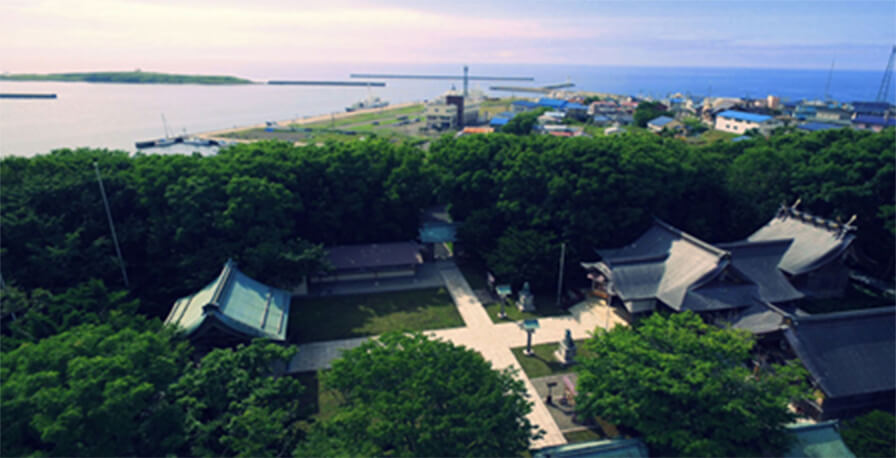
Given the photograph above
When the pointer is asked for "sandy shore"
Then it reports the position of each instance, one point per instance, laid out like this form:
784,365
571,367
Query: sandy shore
218,134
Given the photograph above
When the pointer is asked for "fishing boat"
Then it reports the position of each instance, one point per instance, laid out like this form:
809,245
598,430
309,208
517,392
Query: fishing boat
369,102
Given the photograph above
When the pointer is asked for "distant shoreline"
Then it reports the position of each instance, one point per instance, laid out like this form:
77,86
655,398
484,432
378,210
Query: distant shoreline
136,77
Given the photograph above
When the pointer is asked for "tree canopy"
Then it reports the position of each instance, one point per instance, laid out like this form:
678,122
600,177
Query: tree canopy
648,111
871,435
685,387
408,395
235,404
522,123
93,390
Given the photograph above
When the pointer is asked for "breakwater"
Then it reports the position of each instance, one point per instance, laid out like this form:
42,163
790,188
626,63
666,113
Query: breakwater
330,83
26,96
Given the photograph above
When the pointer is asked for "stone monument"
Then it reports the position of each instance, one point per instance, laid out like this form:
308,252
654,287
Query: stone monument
526,301
566,351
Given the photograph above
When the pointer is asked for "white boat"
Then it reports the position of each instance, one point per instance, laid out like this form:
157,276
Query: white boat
369,102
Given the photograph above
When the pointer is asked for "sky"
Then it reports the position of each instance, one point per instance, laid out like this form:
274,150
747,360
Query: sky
231,37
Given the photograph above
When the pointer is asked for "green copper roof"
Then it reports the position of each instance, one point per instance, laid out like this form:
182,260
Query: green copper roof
821,440
629,448
236,301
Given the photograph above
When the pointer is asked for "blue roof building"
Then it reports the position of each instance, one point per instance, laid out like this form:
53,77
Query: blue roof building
506,114
871,120
524,105
816,126
661,121
741,138
554,104
498,121
744,116
232,308
575,106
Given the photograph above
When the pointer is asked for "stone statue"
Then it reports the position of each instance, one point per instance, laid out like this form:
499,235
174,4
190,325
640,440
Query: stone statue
526,301
566,351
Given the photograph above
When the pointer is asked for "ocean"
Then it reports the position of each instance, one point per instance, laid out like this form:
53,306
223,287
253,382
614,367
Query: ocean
115,116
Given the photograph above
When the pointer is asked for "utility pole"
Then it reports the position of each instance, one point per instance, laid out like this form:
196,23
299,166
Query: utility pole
99,179
560,277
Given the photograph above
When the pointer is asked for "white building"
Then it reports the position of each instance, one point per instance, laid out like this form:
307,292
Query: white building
739,122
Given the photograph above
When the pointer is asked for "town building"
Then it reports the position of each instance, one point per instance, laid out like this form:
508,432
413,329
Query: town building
552,104
816,126
657,125
851,358
232,309
371,261
452,111
576,111
739,122
521,106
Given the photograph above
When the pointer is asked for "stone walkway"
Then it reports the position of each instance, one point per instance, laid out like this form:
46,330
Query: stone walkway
493,341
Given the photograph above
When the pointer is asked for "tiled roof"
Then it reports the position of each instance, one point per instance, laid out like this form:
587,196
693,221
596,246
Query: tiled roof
237,302
374,255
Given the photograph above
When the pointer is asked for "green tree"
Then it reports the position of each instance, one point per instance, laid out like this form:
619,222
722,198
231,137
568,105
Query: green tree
92,390
523,123
871,435
236,404
408,395
28,316
685,387
648,111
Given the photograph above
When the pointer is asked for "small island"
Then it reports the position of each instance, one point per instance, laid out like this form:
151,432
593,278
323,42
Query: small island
134,77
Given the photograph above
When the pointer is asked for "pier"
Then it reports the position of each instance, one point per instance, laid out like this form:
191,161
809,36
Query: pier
440,77
330,83
26,96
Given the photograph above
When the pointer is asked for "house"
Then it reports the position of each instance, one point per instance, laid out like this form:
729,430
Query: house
613,130
576,110
851,358
739,122
371,261
474,130
553,104
498,122
521,106
631,448
816,126
600,120
817,440
663,122
872,122
232,309
814,261
552,117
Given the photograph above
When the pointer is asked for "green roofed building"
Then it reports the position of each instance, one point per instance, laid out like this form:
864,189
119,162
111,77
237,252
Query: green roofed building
629,448
232,309
817,440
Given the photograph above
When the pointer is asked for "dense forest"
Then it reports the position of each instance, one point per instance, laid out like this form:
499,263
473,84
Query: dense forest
135,77
69,321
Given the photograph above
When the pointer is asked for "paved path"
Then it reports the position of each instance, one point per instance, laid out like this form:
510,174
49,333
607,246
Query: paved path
493,341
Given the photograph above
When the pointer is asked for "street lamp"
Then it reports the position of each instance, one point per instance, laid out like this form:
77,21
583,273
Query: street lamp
529,326
503,293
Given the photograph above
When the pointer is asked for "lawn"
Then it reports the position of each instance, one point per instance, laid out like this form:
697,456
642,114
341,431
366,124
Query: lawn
341,317
368,117
474,274
584,435
544,363
857,297
320,401
713,135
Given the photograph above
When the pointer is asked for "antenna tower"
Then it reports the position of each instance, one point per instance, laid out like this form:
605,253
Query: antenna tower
884,92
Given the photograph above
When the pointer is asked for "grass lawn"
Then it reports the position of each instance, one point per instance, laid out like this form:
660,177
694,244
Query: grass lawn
584,435
713,135
340,317
320,401
544,363
857,297
544,306
385,113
